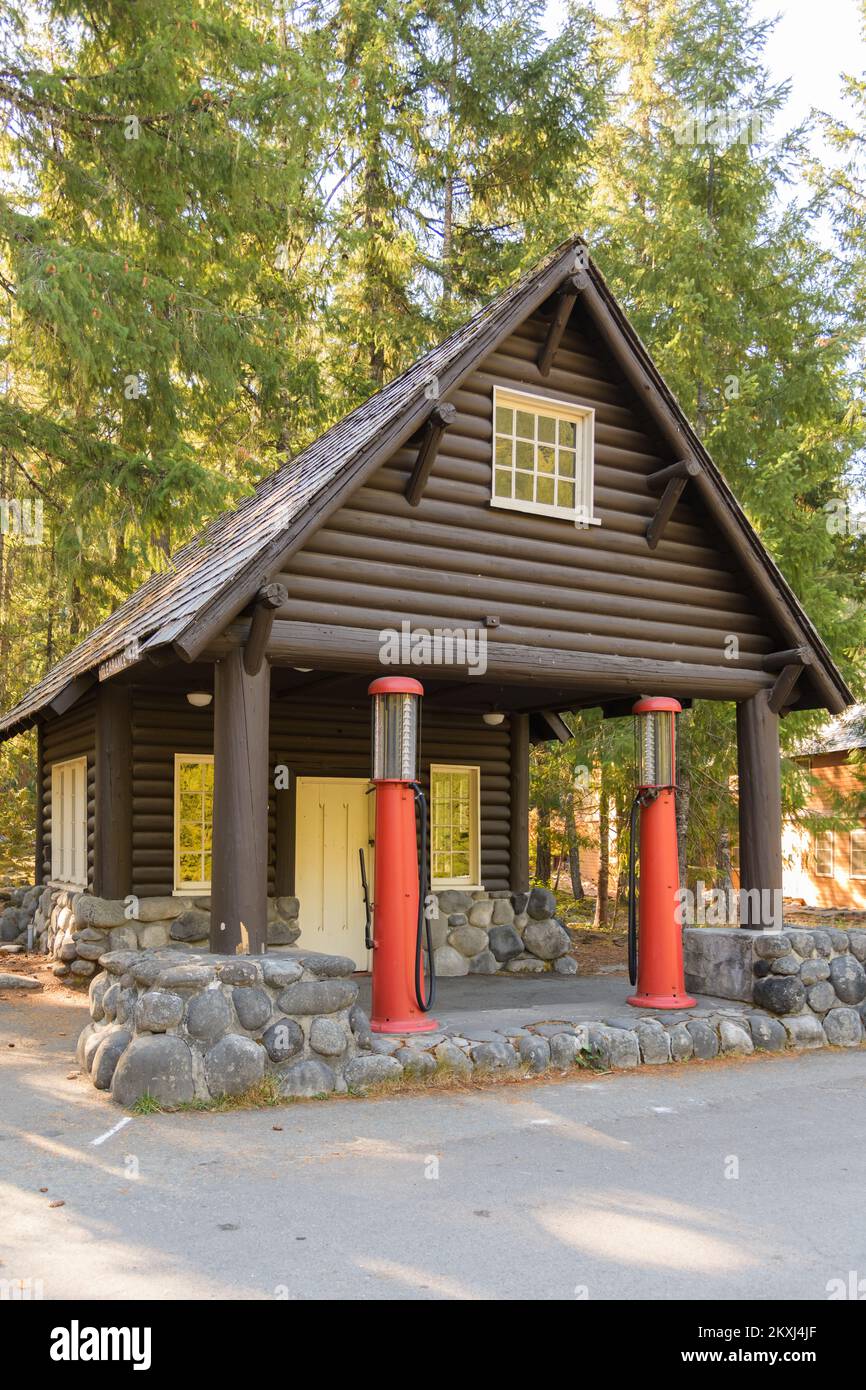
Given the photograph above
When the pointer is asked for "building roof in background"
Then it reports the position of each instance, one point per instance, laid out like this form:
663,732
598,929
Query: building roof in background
847,731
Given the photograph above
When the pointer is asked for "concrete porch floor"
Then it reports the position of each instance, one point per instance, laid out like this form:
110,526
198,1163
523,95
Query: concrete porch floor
472,1004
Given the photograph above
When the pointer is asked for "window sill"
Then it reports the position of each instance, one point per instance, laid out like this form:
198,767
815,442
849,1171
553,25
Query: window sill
446,887
61,885
190,892
514,504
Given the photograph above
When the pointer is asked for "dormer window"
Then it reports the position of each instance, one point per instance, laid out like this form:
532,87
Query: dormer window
543,456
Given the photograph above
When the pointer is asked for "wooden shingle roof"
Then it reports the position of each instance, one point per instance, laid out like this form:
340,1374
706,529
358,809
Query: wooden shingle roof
215,575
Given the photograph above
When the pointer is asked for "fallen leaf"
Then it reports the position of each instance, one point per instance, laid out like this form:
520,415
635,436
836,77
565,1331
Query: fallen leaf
57,1204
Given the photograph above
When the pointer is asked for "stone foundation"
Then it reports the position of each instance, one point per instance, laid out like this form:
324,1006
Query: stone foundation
475,933
485,933
180,1027
77,928
812,978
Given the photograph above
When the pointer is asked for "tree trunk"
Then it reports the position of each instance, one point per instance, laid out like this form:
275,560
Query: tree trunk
601,902
542,847
573,845
684,797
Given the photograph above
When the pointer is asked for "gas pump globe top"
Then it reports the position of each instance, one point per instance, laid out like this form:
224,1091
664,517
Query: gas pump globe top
396,705
655,728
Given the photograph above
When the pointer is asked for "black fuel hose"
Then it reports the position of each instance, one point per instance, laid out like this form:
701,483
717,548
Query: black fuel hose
425,1003
632,895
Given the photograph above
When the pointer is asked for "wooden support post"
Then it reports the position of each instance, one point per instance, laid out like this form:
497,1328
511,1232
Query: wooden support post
268,600
565,302
441,416
519,828
39,855
760,811
284,846
112,866
239,884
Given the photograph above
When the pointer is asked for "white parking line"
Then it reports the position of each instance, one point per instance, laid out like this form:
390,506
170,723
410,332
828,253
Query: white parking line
108,1133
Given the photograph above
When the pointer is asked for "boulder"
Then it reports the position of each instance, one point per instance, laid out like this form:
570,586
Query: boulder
152,936
280,972
371,1070
240,971
735,1039
450,1057
318,997
191,925
843,1028
158,1065
654,1042
481,914
233,1065
786,965
159,909
617,1047
208,1015
468,940
415,1062
526,965
124,939
566,965
771,945
780,994
505,943
252,1006
449,963
682,1047
704,1040
546,939
107,1056
812,972
848,978
98,912
768,1034
804,1030
452,900
282,933
495,1056
158,1010
534,1053
329,1037
541,904
308,1079
360,1026
326,967
821,997
283,1040
485,963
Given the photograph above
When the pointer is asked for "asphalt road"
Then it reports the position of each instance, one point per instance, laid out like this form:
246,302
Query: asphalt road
707,1181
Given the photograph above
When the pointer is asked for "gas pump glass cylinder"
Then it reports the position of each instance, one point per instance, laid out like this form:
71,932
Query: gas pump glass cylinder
395,730
656,739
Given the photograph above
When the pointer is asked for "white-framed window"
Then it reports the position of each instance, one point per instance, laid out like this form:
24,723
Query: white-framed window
193,822
824,853
455,825
543,456
69,822
858,853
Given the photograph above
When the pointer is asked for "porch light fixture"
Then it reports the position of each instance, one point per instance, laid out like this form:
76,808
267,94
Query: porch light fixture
493,717
199,698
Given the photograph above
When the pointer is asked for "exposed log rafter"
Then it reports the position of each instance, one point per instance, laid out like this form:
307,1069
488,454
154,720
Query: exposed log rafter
268,600
673,480
565,302
440,417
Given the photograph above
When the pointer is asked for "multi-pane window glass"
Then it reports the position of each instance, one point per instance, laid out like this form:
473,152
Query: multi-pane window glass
542,459
824,845
858,853
454,824
193,821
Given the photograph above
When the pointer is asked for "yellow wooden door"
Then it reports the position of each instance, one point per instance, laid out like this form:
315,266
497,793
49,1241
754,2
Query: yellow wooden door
335,817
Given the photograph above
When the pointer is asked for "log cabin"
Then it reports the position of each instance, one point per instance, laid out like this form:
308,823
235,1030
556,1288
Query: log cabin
525,521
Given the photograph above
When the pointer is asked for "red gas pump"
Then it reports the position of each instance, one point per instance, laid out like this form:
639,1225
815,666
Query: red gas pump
400,1003
655,957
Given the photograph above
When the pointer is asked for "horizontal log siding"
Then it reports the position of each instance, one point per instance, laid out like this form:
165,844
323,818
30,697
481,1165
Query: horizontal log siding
315,739
455,559
70,735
